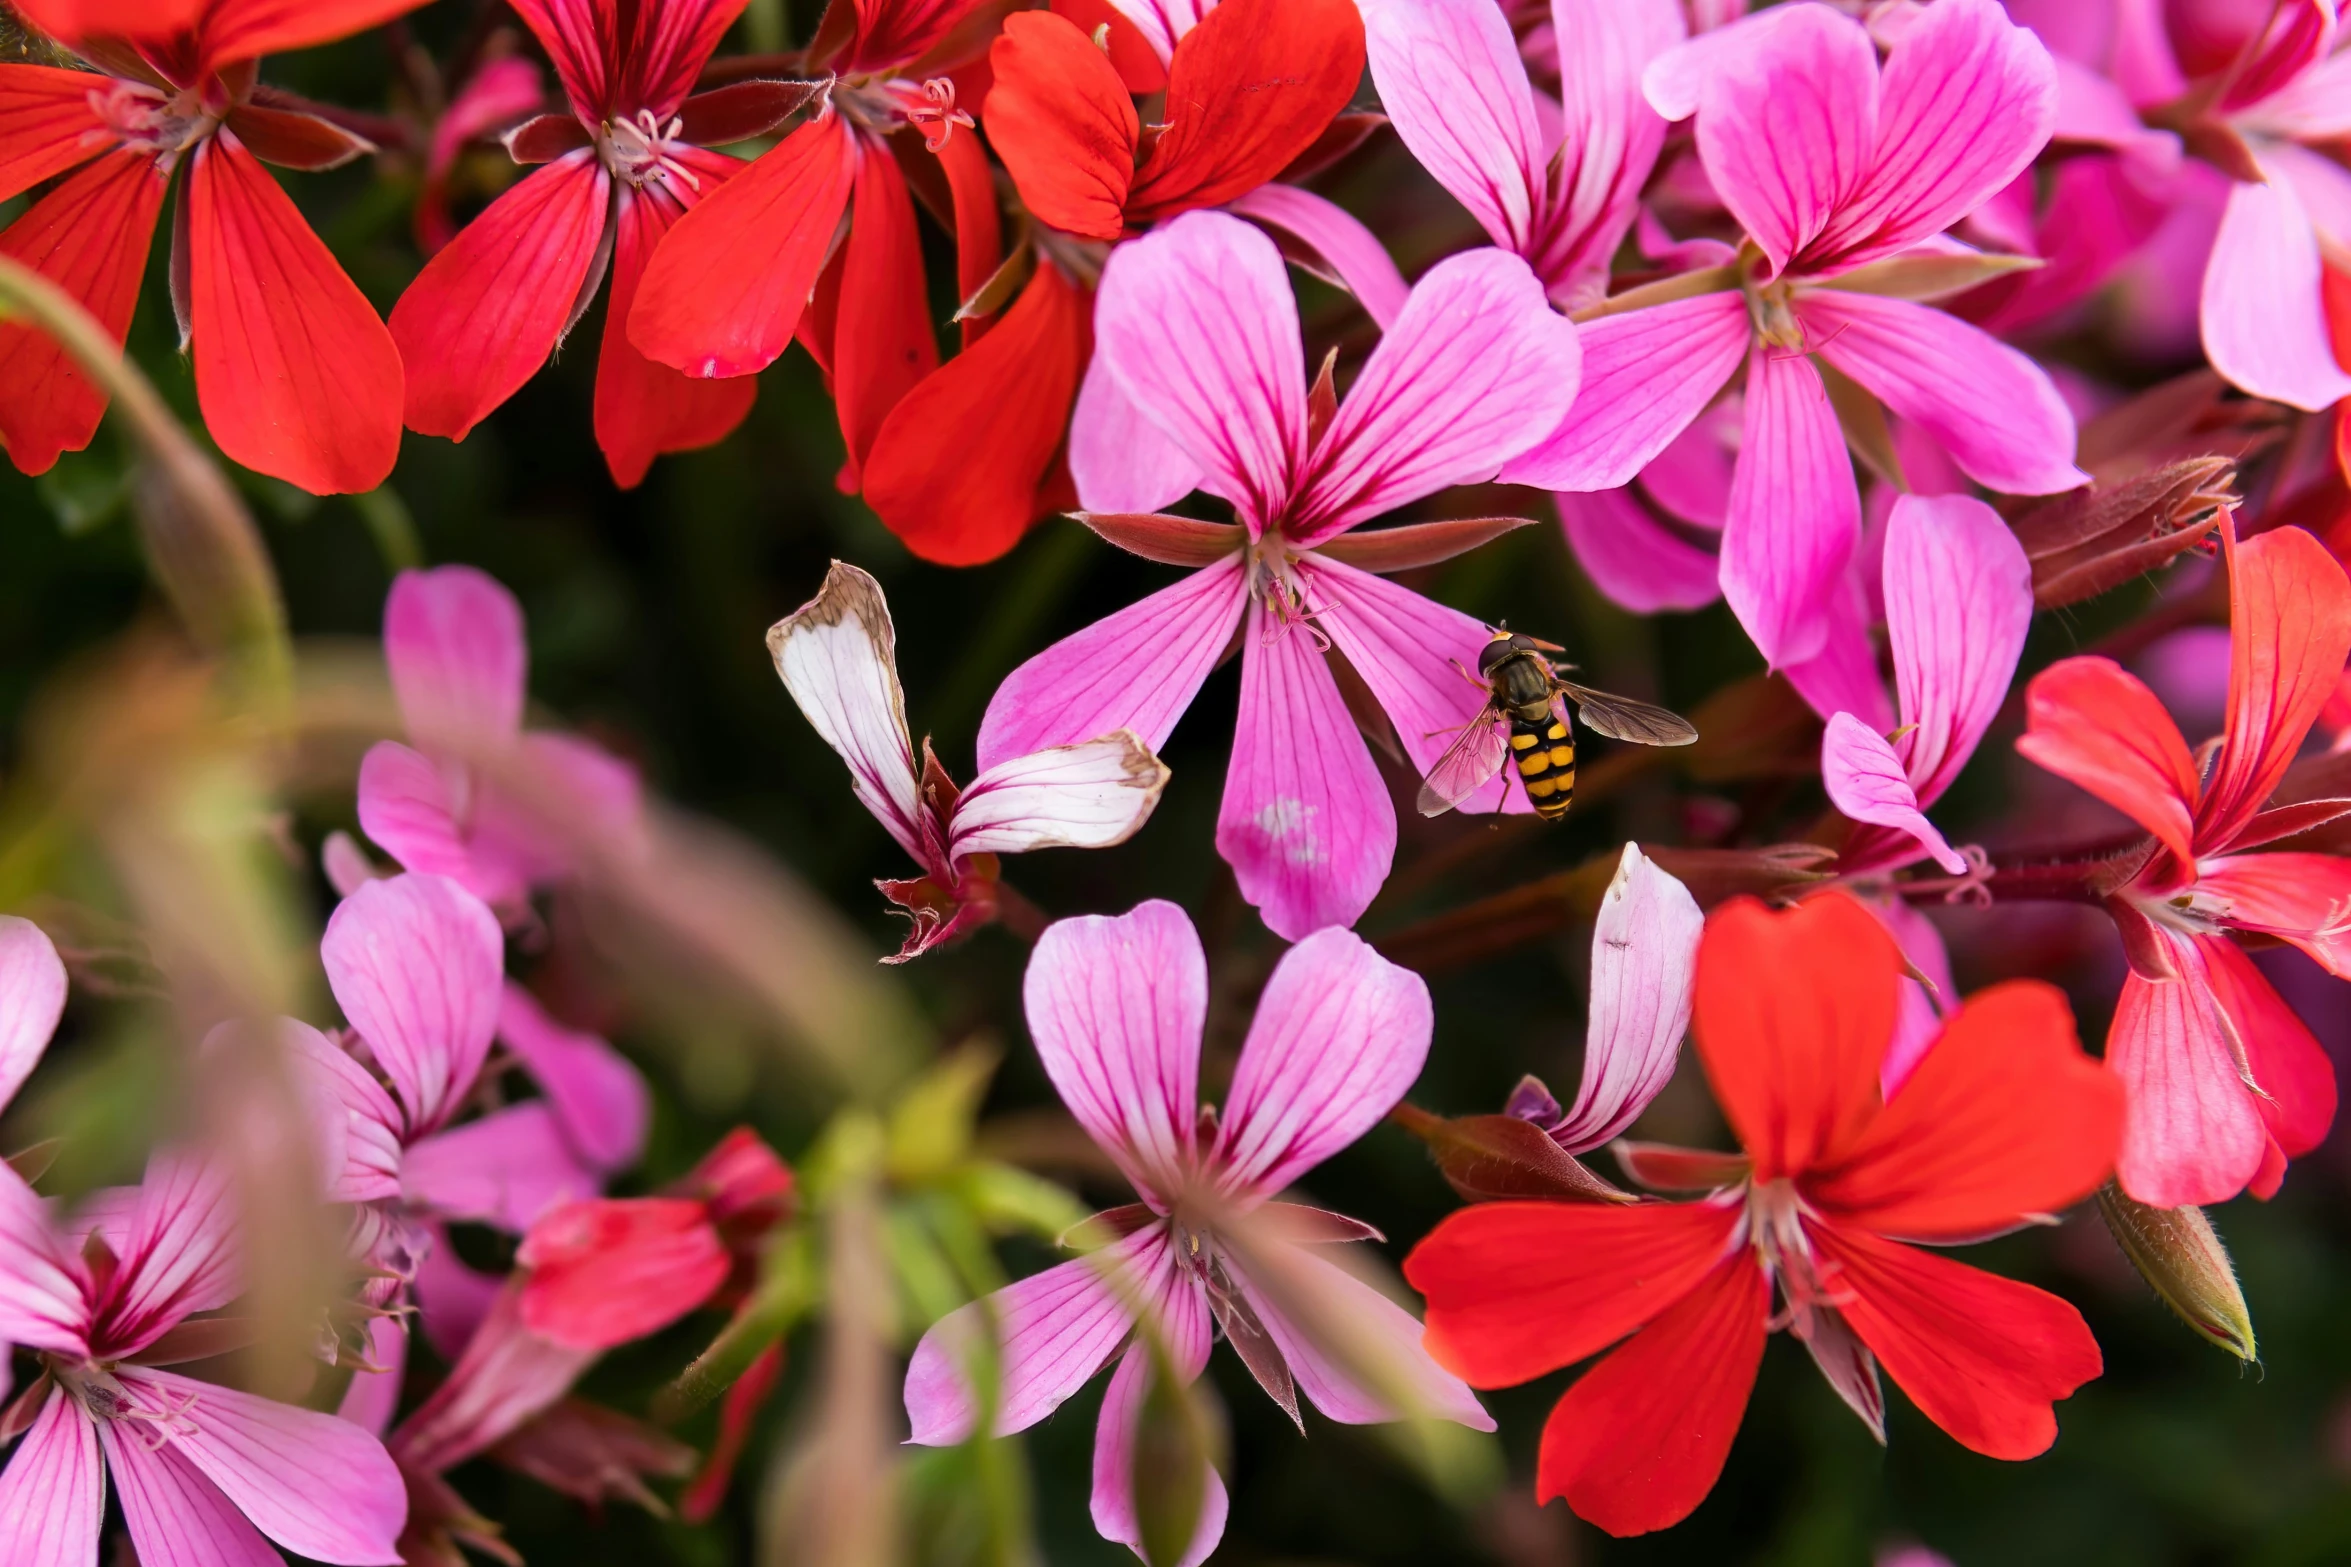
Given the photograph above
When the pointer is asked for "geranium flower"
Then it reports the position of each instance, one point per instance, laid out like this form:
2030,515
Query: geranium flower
1116,1006
2225,1082
838,656
1832,166
628,161
295,374
1197,326
2003,1120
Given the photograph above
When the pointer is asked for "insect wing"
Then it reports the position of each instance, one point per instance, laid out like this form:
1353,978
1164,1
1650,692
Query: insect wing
1465,767
1622,718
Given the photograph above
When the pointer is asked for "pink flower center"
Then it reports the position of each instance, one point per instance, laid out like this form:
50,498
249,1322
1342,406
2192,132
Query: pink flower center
644,151
1288,596
1775,1227
102,1394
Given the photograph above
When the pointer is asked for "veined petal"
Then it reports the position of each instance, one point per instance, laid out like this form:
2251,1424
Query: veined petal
607,1270
2296,1075
181,1255
53,1492
363,1121
504,1375
896,32
1843,676
1120,461
597,1094
1646,375
1350,254
32,999
416,963
1063,123
1163,23
2263,314
47,125
1996,412
1644,958
1116,1005
233,30
1078,688
1182,1313
882,342
1609,136
838,656
175,1516
505,1169
1086,796
1795,510
43,1302
669,47
1376,1327
1866,782
1306,822
1959,599
1632,559
1452,83
453,644
407,810
2193,1133
2289,634
1476,361
2095,724
576,37
1340,1034
2302,898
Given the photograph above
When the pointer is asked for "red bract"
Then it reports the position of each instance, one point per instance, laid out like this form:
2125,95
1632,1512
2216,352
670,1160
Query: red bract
296,375
2004,1119
621,169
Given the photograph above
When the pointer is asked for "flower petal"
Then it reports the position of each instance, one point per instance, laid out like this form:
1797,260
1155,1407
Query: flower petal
1475,361
838,656
1340,1034
1959,599
505,1169
248,29
175,1516
2295,1074
607,1270
47,125
1865,782
1632,559
1120,461
2290,632
2193,1133
1452,83
1795,511
574,34
2093,723
295,373
505,1375
181,1256
453,644
1924,1000
1063,123
1609,136
53,1493
1348,253
1163,23
416,963
1087,796
598,1096
1376,1328
32,999
1647,374
406,809
2263,316
1184,1322
1082,686
1644,957
882,343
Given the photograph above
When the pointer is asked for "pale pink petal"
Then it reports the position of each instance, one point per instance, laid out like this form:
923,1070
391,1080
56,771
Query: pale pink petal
1452,83
1919,1021
1185,1327
1609,134
1959,599
1306,822
453,640
1632,558
1196,322
2092,111
319,1486
1085,796
1350,253
1475,364
180,1256
1413,653
416,963
1053,1331
2192,1132
373,1397
838,656
1163,23
1376,1327
1843,676
505,1169
2313,107
53,1493
1787,107
1115,1005
1691,479
598,1095
1967,99
2323,185
1644,958
407,809
1996,412
32,999
1340,1034
346,866
176,1517
1083,685
1866,782
361,1122
506,1375
2264,321
1647,375
1795,512
1120,461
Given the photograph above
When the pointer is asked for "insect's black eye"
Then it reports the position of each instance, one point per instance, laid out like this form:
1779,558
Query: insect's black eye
1519,644
1493,653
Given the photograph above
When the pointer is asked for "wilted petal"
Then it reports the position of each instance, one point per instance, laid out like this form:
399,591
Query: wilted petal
32,999
1375,1327
1086,796
417,964
1866,782
1959,599
1632,559
1644,958
53,1493
2094,724
1795,511
838,656
505,1169
1451,80
597,1094
1646,375
2263,313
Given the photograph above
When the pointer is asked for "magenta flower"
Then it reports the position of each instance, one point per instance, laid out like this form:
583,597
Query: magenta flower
453,639
1116,1006
838,656
1837,170
1196,325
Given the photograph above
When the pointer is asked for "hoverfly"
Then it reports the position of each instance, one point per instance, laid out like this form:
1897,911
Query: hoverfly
1524,687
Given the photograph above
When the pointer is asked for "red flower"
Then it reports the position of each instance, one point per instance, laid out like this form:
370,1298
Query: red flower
2225,1082
625,165
296,375
2004,1118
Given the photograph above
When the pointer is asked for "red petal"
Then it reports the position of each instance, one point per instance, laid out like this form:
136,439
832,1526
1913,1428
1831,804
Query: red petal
2003,1117
573,36
1516,1289
486,312
979,238
1062,122
1250,89
644,409
895,32
2288,1062
671,43
1793,1014
2301,898
728,283
233,30
1639,1441
90,237
2290,631
46,124
1131,54
608,1270
2093,723
296,375
882,343
1981,1356
957,467
72,20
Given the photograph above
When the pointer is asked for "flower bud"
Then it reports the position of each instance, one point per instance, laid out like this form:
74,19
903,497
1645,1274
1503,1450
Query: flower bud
2177,1252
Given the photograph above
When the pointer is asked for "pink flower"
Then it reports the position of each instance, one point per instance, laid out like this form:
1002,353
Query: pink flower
1198,334
2225,1082
1837,170
838,656
453,640
1116,1006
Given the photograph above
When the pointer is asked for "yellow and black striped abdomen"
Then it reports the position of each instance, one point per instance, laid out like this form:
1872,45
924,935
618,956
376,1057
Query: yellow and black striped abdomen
1544,753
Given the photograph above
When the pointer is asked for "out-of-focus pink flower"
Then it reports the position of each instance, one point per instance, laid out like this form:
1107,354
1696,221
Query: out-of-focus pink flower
32,999
1116,1005
838,656
1199,382
453,640
1843,175
503,92
2225,1082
